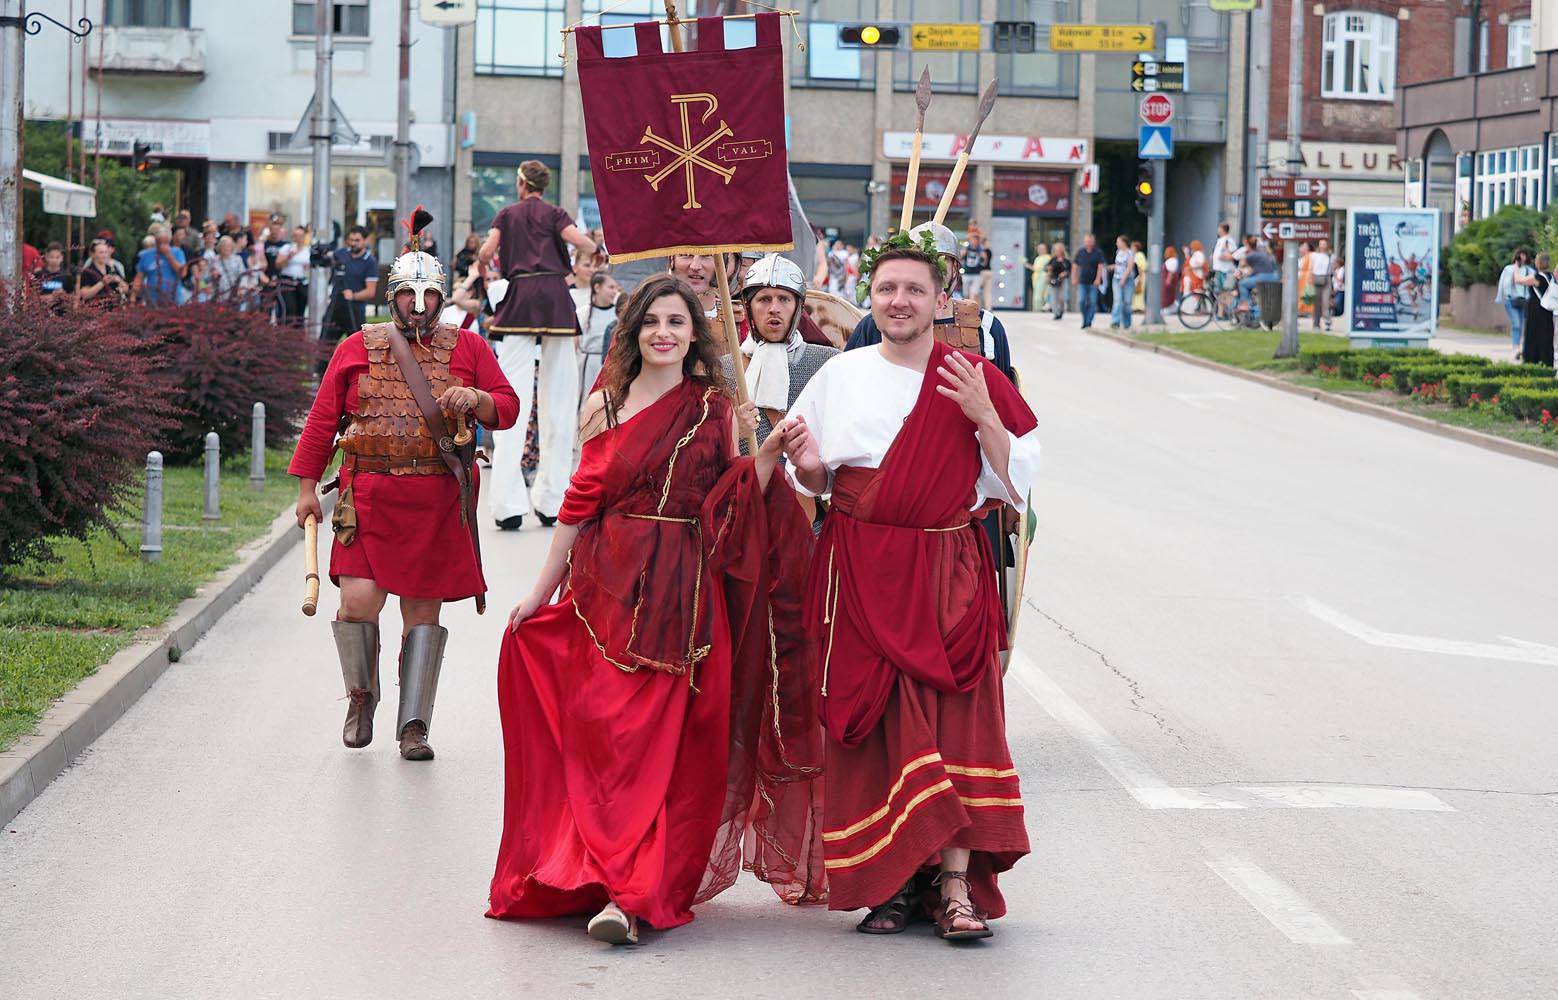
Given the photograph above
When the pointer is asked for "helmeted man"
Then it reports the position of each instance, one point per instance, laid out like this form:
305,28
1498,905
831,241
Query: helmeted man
536,319
912,438
779,362
405,520
960,323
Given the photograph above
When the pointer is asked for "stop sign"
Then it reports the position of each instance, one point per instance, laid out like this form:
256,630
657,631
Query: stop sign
1157,109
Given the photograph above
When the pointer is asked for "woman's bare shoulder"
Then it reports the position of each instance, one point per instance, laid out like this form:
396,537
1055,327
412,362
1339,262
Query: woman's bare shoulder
592,417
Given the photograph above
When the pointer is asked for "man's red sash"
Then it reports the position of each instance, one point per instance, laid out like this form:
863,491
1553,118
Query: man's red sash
880,579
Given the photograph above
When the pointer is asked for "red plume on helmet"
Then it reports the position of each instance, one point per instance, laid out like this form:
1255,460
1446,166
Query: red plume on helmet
420,220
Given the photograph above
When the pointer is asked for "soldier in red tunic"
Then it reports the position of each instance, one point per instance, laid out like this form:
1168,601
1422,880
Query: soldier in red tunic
405,520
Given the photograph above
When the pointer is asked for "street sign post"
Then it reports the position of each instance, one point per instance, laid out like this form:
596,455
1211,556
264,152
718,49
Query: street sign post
1156,142
1102,37
1149,77
1157,109
945,37
1284,199
1295,229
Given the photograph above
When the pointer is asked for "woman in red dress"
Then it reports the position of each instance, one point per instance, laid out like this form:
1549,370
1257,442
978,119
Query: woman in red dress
640,709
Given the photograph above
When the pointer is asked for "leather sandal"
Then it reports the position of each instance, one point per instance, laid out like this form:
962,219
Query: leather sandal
897,912
949,911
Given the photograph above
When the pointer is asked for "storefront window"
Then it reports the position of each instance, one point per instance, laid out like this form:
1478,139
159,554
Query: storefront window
359,196
932,185
493,184
835,203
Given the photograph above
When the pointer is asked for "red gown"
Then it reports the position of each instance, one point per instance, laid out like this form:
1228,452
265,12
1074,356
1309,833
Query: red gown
410,540
640,710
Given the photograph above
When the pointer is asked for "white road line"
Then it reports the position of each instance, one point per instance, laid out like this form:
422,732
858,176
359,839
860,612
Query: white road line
1197,399
1516,650
1277,901
1385,995
1126,768
1148,789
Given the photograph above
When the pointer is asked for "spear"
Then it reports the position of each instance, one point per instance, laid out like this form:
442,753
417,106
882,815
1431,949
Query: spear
911,190
985,104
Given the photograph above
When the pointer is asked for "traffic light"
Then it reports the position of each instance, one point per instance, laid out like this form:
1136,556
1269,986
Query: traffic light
868,36
1144,188
140,157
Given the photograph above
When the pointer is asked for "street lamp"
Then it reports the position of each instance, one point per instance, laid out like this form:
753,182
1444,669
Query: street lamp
13,22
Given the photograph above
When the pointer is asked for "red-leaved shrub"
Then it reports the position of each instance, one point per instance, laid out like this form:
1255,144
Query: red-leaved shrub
217,362
79,410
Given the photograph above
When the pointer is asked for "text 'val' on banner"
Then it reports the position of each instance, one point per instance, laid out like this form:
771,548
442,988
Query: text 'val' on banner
687,148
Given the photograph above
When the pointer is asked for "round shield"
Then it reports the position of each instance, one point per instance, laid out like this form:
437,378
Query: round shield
834,315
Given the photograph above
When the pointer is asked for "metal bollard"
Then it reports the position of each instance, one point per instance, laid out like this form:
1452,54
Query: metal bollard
257,448
213,511
151,520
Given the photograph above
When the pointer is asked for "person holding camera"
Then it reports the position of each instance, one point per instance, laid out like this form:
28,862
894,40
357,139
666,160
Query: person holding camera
98,283
354,281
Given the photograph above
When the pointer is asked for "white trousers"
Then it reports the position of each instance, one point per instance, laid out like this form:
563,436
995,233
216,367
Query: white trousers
557,425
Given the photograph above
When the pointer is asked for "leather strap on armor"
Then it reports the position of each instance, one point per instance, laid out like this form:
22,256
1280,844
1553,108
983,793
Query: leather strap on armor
457,458
388,426
963,331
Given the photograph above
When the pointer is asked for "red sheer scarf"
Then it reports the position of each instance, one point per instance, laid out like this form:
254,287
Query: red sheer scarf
874,597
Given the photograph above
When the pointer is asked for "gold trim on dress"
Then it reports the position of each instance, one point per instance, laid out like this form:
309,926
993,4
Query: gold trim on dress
903,776
881,845
980,772
991,800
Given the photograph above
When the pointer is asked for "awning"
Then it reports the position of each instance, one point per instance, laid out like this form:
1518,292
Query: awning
62,197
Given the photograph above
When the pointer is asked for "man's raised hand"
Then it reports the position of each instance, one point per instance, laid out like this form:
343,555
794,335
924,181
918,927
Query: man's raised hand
965,385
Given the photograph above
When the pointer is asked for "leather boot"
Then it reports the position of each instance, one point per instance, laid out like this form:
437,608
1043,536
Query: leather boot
421,659
357,645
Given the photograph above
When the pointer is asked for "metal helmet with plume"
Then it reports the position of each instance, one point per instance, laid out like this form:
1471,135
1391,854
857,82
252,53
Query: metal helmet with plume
416,270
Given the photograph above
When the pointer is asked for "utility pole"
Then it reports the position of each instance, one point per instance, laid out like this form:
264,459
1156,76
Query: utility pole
1258,111
403,119
1153,297
1288,347
321,129
11,145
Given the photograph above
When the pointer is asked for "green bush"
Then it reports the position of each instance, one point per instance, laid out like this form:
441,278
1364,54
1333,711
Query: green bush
1377,361
1484,385
1409,375
1330,357
1508,370
1480,250
1528,403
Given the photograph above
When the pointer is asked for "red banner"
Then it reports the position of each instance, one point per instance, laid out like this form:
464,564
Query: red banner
687,148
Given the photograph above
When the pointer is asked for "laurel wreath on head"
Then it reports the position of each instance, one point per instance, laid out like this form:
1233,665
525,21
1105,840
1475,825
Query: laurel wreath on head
899,240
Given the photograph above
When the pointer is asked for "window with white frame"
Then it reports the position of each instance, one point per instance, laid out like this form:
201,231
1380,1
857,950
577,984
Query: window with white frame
349,18
1508,177
1520,52
518,37
1359,56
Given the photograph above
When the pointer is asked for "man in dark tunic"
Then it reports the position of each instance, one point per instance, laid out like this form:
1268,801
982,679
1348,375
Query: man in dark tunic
535,319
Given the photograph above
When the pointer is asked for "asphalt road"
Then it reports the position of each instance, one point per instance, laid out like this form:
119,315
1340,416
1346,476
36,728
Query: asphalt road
1281,706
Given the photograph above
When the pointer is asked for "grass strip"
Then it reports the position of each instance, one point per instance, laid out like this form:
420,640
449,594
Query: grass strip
61,620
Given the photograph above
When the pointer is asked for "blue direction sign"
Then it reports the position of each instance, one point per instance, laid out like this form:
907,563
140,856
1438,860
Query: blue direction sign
1156,142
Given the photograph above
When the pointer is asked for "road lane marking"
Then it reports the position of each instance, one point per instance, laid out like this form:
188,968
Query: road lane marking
1123,765
1385,995
1513,650
1151,791
1277,901
1198,399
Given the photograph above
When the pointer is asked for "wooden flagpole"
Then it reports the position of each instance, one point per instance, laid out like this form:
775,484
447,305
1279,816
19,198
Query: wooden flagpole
722,275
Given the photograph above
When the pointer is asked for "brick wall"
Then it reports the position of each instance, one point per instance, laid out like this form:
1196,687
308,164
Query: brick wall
1425,43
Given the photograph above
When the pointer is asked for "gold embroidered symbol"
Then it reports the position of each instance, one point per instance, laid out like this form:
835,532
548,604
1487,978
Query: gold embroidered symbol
689,156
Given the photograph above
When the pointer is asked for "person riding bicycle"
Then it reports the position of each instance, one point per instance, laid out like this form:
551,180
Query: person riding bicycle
1263,270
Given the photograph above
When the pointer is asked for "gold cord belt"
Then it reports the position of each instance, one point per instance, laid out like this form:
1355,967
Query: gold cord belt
658,517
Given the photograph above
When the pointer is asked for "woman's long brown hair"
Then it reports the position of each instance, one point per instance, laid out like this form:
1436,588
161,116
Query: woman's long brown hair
623,360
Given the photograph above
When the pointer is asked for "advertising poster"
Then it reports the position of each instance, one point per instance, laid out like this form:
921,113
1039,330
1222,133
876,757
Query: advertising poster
1392,276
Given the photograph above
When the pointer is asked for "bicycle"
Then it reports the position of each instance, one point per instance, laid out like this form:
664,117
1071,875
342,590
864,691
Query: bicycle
1205,307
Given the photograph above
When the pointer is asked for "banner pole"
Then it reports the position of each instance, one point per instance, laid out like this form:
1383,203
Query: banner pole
673,26
733,341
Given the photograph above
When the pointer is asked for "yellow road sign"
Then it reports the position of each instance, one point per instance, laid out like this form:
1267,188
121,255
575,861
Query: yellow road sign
1231,5
1102,37
945,37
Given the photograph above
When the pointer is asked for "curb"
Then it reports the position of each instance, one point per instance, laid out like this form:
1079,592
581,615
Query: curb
87,710
1490,442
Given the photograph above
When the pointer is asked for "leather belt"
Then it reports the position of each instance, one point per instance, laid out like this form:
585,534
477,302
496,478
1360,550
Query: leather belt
371,463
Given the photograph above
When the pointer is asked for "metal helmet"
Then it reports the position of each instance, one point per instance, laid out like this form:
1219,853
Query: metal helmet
945,240
775,271
417,271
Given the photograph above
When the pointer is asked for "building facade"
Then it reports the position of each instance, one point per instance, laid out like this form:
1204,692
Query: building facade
1477,140
851,112
218,90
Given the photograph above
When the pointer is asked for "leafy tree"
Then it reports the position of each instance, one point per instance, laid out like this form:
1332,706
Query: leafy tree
1480,250
124,197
